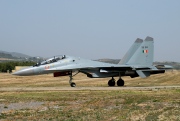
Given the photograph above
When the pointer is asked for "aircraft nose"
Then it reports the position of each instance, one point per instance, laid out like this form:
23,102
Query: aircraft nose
25,72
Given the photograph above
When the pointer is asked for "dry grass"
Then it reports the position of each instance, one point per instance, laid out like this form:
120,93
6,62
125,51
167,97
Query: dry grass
8,80
94,105
166,79
87,105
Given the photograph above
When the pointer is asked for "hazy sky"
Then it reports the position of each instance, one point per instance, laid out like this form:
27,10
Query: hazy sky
89,28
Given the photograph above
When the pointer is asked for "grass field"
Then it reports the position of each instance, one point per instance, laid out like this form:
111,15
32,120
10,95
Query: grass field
107,105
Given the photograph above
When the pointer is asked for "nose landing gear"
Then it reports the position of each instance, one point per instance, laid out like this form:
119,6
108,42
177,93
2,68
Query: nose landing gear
72,84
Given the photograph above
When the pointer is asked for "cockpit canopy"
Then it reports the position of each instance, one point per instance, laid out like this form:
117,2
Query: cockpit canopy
51,60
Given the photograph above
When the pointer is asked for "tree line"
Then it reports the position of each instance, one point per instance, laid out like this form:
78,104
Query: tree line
11,65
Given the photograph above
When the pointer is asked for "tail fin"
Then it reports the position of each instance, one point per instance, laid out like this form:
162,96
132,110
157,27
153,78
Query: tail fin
144,54
131,51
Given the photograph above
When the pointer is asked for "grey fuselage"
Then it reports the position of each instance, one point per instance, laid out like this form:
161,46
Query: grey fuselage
138,61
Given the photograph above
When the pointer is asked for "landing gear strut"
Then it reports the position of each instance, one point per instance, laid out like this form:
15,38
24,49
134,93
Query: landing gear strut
111,82
72,84
120,82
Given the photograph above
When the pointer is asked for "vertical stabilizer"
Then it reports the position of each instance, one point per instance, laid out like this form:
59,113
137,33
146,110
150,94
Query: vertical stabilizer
131,51
144,54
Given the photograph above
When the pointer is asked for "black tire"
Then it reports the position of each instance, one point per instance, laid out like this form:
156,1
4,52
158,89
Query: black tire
111,82
120,82
73,84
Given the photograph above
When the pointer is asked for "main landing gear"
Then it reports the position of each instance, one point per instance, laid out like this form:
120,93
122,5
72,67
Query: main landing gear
72,84
112,82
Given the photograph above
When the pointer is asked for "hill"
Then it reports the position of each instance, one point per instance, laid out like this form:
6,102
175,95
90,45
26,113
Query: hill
15,54
5,55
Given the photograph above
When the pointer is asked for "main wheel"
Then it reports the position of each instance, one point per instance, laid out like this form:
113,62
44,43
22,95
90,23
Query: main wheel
111,82
73,84
120,82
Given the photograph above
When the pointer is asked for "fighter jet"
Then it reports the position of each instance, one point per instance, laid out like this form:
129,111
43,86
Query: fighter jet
137,62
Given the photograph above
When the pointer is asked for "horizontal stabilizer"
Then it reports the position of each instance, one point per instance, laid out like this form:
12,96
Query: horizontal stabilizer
163,67
143,74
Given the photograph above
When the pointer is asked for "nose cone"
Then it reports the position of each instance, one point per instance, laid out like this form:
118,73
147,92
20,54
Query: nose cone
25,72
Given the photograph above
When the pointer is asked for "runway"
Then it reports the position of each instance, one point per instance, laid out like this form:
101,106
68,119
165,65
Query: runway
19,89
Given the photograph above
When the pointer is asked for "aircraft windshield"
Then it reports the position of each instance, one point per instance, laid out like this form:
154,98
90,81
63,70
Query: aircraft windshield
51,60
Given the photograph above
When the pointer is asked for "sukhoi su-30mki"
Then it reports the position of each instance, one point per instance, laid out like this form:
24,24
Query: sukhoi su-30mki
137,62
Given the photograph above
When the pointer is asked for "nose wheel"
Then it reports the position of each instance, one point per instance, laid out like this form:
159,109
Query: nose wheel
72,84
